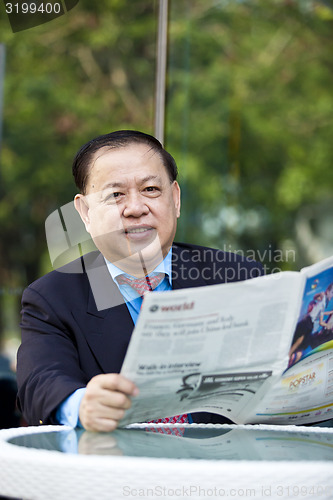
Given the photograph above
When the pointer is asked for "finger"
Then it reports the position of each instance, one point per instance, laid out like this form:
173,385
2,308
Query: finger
98,409
117,382
103,411
101,424
114,399
104,397
100,418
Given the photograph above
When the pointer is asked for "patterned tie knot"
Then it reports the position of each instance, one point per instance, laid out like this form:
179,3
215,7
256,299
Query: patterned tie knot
141,285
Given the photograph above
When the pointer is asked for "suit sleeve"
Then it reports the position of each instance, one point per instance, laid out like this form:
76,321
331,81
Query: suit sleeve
48,368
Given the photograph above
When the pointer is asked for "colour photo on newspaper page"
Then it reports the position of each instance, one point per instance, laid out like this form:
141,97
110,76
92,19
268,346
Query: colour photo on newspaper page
217,348
304,393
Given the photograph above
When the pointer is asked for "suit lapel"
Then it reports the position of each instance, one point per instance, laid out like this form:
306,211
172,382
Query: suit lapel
103,292
108,323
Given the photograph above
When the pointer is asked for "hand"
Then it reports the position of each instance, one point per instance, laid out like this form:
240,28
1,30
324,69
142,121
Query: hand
105,401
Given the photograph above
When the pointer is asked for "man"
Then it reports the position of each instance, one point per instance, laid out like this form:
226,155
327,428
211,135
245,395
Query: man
76,326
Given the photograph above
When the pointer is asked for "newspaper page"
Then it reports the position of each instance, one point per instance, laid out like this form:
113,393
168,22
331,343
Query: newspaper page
304,393
217,348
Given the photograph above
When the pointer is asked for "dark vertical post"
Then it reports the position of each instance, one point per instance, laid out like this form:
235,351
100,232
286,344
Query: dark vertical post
161,67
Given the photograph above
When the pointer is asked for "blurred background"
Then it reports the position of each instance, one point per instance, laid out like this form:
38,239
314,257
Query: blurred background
245,105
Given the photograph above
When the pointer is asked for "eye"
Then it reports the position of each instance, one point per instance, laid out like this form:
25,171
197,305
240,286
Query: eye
112,197
152,189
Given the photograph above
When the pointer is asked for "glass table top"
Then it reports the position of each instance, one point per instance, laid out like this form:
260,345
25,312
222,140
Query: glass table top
196,443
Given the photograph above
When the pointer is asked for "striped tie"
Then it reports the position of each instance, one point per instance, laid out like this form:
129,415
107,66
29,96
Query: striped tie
141,285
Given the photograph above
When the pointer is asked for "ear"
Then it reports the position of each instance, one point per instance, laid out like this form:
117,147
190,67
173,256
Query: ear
81,205
176,197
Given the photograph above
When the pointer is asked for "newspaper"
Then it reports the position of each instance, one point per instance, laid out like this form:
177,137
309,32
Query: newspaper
257,351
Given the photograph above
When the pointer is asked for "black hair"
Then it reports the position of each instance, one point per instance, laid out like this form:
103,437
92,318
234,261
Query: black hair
118,139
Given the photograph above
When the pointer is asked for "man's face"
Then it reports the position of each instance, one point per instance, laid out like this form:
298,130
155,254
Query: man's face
130,208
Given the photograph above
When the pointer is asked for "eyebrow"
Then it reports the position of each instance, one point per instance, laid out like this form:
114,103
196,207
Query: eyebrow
150,178
123,184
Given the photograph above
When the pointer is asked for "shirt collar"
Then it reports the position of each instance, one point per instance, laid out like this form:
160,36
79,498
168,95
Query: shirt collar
163,267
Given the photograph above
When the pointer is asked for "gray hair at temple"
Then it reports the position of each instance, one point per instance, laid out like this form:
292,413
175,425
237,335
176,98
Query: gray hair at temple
114,140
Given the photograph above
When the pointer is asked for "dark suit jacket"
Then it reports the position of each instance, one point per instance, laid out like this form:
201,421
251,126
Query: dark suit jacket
66,340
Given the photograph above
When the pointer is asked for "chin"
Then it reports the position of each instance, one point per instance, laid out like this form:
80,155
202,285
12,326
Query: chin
143,259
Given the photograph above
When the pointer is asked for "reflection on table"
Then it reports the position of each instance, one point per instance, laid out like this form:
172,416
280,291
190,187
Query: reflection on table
198,443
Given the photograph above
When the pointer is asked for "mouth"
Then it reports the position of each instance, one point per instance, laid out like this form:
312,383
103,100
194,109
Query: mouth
134,230
138,231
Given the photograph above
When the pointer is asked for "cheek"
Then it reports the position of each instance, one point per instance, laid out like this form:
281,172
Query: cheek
105,221
96,222
168,221
173,213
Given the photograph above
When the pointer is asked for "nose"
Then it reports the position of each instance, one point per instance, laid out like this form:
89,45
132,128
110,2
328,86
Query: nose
135,205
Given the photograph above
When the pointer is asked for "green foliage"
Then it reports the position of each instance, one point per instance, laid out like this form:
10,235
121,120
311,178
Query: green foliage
86,73
250,116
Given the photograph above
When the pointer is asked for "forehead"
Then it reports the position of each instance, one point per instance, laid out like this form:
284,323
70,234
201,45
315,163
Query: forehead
126,159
